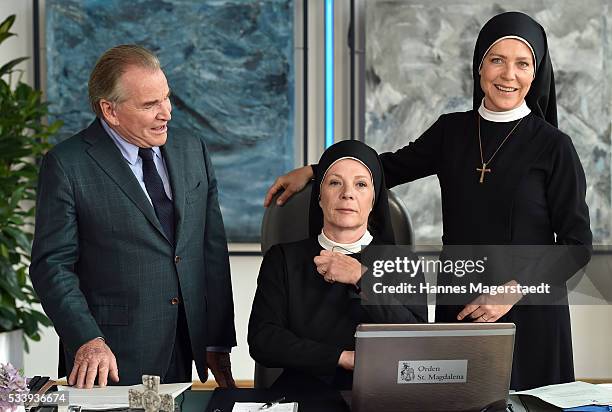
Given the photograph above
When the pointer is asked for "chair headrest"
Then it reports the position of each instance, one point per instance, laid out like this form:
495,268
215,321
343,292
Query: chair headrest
287,223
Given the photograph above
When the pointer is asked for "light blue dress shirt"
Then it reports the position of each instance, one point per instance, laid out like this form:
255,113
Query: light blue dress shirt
130,153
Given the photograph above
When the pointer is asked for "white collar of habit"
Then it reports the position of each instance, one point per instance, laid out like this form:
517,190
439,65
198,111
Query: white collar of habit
345,248
504,117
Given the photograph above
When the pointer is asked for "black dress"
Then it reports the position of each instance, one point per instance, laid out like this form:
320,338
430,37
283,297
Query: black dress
302,323
534,195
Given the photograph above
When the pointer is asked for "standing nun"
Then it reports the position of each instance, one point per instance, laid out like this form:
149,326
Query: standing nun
508,176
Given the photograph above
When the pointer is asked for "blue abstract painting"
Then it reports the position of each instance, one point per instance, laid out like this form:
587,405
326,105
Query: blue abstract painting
229,65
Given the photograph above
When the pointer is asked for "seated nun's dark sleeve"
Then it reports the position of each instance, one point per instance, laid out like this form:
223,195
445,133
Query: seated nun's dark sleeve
565,194
271,342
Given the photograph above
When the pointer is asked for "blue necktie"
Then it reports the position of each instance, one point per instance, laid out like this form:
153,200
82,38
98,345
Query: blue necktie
155,188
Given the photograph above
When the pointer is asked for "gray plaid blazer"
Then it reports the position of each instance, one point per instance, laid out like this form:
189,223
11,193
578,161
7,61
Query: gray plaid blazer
102,265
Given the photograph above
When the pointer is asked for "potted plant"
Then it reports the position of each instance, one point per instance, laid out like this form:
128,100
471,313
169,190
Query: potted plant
23,140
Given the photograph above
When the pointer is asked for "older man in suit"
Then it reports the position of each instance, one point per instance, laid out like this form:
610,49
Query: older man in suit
130,256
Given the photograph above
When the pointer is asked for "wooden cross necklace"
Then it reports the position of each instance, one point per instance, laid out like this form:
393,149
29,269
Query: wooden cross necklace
484,169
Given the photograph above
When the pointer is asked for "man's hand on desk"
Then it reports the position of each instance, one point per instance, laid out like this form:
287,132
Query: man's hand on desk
347,360
221,367
93,359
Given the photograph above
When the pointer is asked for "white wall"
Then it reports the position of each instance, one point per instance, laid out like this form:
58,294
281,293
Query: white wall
592,325
591,337
22,44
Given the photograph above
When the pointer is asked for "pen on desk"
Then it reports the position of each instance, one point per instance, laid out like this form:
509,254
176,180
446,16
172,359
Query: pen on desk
269,405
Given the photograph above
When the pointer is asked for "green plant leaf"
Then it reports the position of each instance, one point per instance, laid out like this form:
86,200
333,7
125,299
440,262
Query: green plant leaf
55,126
35,337
6,325
9,66
4,36
41,318
12,288
16,220
26,345
6,25
20,237
8,313
16,198
4,251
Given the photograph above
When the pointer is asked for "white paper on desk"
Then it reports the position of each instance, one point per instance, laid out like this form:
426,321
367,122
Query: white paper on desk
254,407
571,395
114,396
607,386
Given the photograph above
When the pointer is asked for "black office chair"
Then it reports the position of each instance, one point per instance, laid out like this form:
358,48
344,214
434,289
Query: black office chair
289,223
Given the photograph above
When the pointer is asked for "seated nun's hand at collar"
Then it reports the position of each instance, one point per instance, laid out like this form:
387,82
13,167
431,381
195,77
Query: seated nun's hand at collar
337,267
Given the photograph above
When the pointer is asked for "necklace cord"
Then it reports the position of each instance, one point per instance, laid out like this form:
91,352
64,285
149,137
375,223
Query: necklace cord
498,147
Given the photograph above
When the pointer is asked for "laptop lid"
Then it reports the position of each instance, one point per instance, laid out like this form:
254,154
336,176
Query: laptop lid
432,366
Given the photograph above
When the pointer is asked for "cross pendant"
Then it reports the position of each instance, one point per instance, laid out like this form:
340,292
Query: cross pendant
483,171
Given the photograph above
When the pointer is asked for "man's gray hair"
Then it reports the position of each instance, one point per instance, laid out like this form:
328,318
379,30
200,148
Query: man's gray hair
104,79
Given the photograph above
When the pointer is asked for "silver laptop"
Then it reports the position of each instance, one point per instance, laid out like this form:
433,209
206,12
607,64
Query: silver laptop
432,367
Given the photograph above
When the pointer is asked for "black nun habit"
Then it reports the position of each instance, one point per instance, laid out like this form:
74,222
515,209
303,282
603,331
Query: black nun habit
534,194
299,321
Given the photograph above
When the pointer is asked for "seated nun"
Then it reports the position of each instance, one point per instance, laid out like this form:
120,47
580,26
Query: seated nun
309,300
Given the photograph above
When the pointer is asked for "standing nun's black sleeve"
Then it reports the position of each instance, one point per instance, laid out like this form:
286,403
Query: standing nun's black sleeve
566,191
565,195
417,159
